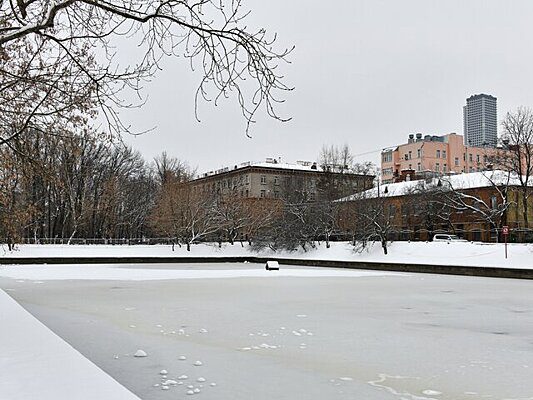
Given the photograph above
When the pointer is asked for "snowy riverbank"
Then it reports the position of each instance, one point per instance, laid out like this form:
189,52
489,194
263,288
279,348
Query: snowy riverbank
38,364
461,254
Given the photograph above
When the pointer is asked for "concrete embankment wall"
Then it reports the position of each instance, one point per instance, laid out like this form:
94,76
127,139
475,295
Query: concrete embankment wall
492,272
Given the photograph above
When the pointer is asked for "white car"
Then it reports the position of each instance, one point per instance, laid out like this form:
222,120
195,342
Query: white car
444,237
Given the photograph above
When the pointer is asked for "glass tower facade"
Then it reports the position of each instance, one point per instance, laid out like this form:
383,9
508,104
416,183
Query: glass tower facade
480,118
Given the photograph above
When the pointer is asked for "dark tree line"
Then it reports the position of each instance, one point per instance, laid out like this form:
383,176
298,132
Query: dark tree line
65,186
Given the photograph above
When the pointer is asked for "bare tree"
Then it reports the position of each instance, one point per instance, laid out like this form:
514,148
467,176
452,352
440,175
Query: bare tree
185,213
368,218
490,208
172,169
49,71
518,138
341,159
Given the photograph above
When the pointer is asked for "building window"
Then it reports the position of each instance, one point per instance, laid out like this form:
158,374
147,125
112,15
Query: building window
247,179
276,180
444,167
443,153
311,197
263,180
464,157
387,157
263,193
419,167
410,154
410,166
437,167
406,156
477,158
247,193
470,157
276,194
493,202
419,153
438,153
456,161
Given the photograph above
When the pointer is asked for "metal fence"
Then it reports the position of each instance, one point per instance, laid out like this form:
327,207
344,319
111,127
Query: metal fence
516,235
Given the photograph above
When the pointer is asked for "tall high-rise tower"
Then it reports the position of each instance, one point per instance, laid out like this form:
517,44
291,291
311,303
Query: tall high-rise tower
480,118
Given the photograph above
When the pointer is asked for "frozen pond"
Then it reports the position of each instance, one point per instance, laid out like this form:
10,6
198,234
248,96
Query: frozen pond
316,336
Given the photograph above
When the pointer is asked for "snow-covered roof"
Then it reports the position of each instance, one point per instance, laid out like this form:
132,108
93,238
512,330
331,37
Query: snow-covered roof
455,182
284,165
273,163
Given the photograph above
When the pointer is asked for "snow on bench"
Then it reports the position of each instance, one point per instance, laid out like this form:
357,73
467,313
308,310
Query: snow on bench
272,265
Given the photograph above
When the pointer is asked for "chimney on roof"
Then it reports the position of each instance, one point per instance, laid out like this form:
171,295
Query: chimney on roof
411,138
313,166
418,137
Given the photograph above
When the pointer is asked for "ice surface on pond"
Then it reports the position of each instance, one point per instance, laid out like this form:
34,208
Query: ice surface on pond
114,272
379,338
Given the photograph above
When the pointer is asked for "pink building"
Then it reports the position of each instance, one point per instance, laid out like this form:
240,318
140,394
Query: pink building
433,154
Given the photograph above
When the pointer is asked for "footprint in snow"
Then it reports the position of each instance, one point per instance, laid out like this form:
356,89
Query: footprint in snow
163,372
198,364
182,358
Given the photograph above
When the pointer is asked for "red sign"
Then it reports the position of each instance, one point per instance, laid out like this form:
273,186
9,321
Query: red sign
505,230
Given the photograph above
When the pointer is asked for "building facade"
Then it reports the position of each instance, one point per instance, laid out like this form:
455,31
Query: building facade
433,155
480,119
415,211
273,179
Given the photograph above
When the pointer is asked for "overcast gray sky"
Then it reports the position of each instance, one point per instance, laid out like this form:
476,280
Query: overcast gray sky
365,72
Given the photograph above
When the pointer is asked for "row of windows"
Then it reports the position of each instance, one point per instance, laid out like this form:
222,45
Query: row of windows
276,180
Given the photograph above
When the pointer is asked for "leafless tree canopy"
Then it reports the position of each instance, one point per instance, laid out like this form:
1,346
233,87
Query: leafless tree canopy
518,138
58,60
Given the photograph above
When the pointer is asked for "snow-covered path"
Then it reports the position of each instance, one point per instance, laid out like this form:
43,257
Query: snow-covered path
473,254
35,363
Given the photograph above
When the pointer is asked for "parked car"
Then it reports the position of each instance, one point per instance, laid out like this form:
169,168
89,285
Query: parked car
444,237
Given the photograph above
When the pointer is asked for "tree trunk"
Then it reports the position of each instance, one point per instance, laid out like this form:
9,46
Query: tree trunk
188,246
526,217
384,245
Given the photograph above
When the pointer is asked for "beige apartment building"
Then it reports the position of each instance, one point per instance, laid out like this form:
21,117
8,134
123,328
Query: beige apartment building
433,154
273,179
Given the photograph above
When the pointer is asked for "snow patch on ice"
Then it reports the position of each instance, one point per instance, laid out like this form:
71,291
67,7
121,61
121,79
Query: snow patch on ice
140,353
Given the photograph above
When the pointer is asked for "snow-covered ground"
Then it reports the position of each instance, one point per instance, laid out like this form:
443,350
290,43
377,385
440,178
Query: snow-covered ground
35,363
463,254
